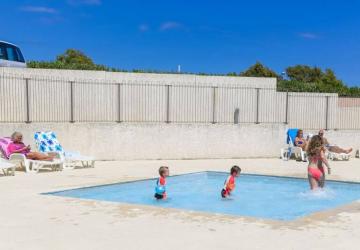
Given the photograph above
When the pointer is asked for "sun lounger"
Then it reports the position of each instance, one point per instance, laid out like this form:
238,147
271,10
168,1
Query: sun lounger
337,156
291,149
7,167
48,142
31,166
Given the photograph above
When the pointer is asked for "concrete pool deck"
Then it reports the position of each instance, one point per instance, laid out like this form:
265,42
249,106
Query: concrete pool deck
29,220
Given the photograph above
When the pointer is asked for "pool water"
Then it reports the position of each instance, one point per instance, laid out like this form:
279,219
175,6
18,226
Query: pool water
268,197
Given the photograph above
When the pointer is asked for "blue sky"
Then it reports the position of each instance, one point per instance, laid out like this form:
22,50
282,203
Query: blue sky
202,36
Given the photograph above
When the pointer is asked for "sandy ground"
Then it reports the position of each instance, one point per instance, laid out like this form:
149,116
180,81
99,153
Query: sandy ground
29,220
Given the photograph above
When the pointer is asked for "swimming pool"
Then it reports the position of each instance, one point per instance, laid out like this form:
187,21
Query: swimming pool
268,197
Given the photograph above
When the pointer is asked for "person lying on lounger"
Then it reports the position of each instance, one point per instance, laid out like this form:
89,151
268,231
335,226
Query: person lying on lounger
333,148
17,146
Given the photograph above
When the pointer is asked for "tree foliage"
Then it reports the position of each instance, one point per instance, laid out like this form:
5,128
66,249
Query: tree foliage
72,56
71,59
304,73
259,70
303,78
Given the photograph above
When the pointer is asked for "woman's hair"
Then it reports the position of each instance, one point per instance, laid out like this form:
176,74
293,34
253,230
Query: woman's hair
315,146
298,133
163,169
234,169
15,134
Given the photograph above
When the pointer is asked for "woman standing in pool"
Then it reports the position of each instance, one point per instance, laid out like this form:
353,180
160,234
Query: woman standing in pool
316,154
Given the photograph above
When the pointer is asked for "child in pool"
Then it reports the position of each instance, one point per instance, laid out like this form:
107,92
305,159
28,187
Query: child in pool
160,190
316,154
229,185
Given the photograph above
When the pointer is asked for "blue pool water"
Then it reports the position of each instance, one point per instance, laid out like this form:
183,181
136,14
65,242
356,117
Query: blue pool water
270,197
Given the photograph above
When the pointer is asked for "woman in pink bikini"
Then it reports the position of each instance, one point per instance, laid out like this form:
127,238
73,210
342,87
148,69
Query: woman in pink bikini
316,154
17,146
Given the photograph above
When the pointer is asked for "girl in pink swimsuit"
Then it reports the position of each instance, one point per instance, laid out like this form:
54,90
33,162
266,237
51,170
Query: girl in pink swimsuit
316,154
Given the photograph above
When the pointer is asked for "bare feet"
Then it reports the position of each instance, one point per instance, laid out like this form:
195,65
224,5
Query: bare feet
349,150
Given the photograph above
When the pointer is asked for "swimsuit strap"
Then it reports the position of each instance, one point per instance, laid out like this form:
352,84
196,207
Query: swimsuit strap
315,158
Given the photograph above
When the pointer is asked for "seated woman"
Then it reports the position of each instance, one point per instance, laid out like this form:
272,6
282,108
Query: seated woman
300,141
17,146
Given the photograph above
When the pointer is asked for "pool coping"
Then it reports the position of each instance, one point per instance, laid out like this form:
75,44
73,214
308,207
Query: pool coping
311,218
198,172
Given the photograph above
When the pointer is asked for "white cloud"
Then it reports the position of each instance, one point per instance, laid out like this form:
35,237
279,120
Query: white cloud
308,35
143,27
85,2
170,26
38,9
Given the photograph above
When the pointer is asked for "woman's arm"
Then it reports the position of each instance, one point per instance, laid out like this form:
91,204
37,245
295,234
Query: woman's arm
12,149
325,161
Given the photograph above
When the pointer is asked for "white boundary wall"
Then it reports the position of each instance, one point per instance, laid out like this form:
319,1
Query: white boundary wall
111,141
90,96
125,77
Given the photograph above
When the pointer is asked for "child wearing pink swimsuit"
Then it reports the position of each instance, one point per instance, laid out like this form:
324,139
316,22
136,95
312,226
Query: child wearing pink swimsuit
316,172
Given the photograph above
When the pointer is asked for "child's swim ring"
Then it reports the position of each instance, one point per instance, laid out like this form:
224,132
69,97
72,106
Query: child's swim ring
160,189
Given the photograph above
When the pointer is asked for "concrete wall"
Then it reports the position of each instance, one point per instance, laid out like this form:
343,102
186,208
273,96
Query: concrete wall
112,141
124,77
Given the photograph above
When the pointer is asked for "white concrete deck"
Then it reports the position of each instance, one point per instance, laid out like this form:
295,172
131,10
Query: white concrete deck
29,220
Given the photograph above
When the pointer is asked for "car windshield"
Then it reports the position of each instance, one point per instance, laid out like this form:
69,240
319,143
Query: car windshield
11,53
19,55
2,52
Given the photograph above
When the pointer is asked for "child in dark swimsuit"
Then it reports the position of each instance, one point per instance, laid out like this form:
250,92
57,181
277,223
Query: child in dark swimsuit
229,185
160,189
316,154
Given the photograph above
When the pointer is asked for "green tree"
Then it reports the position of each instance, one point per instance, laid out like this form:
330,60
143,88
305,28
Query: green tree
304,73
71,59
72,56
259,70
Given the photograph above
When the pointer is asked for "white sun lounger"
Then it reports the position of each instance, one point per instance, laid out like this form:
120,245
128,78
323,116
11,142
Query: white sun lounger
337,156
31,166
48,142
7,167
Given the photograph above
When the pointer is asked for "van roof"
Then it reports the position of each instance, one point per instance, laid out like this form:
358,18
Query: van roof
1,41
